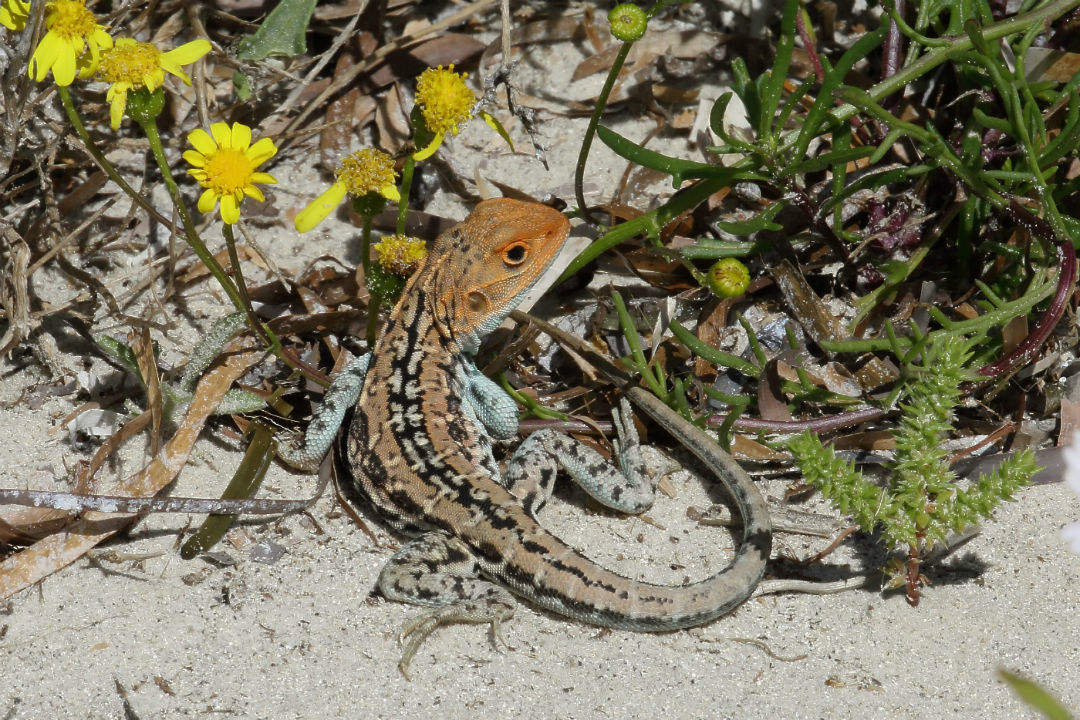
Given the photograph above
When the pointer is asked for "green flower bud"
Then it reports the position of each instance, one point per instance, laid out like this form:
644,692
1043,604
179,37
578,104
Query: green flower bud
368,205
383,285
728,278
628,22
143,105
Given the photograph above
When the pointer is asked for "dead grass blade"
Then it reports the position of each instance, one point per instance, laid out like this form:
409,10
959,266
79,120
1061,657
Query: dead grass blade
61,549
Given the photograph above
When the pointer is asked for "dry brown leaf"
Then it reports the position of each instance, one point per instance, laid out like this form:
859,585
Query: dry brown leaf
54,552
712,325
866,440
335,140
1014,333
771,403
406,64
743,447
832,376
22,525
804,303
876,373
1070,418
1044,64
143,347
392,120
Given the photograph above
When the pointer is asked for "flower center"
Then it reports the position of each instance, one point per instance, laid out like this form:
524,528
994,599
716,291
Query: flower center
129,63
227,171
70,19
445,99
366,171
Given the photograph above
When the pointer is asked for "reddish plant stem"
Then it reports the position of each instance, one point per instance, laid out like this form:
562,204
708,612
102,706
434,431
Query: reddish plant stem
1025,352
808,46
890,61
818,425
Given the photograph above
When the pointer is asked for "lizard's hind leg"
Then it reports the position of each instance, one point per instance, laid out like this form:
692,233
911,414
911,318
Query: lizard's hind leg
440,572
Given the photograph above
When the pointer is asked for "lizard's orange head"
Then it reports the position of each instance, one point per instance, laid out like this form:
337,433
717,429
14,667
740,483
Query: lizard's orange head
490,261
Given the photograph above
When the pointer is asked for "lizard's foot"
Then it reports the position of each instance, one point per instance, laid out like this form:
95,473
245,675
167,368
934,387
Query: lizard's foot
441,572
494,610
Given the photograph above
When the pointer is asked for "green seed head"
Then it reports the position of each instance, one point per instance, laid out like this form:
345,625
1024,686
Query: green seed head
628,22
728,278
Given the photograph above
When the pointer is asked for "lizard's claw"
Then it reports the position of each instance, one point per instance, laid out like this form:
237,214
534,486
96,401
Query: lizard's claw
416,631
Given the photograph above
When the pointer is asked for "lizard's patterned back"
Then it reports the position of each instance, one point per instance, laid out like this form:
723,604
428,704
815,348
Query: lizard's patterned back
411,402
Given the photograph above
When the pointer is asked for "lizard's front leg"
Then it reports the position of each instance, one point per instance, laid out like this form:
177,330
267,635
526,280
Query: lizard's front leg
530,474
307,451
441,572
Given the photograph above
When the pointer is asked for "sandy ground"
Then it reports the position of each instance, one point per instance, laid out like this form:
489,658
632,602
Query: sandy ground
302,636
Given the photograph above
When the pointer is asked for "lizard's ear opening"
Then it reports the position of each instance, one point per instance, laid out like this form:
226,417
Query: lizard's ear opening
476,302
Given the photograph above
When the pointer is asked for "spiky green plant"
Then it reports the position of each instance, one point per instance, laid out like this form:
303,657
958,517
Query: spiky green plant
922,499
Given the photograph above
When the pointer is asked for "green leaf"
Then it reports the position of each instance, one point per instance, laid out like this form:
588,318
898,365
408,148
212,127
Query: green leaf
773,85
747,91
762,221
1035,696
122,352
831,159
678,169
712,249
242,86
283,32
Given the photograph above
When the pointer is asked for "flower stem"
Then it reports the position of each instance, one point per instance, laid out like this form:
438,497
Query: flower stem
406,187
102,161
590,131
374,298
241,288
190,234
601,102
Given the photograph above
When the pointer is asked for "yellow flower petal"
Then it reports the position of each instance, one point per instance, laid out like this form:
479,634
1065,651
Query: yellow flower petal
202,142
265,178
222,135
427,152
118,98
207,201
14,14
241,136
322,206
254,193
390,192
230,209
194,158
261,151
44,56
187,53
64,67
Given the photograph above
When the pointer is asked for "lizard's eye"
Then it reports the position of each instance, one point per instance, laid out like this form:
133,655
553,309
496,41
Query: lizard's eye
515,254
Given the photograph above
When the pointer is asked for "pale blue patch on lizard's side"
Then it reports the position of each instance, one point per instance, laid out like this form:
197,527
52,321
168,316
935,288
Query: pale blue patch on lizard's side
530,472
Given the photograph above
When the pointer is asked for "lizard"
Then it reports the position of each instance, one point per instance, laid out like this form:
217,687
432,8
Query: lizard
418,447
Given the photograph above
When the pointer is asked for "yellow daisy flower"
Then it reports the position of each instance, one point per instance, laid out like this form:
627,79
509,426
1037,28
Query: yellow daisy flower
365,172
14,14
401,254
131,65
445,102
72,30
225,165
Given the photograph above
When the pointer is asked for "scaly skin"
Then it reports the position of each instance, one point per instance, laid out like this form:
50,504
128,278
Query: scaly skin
420,449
